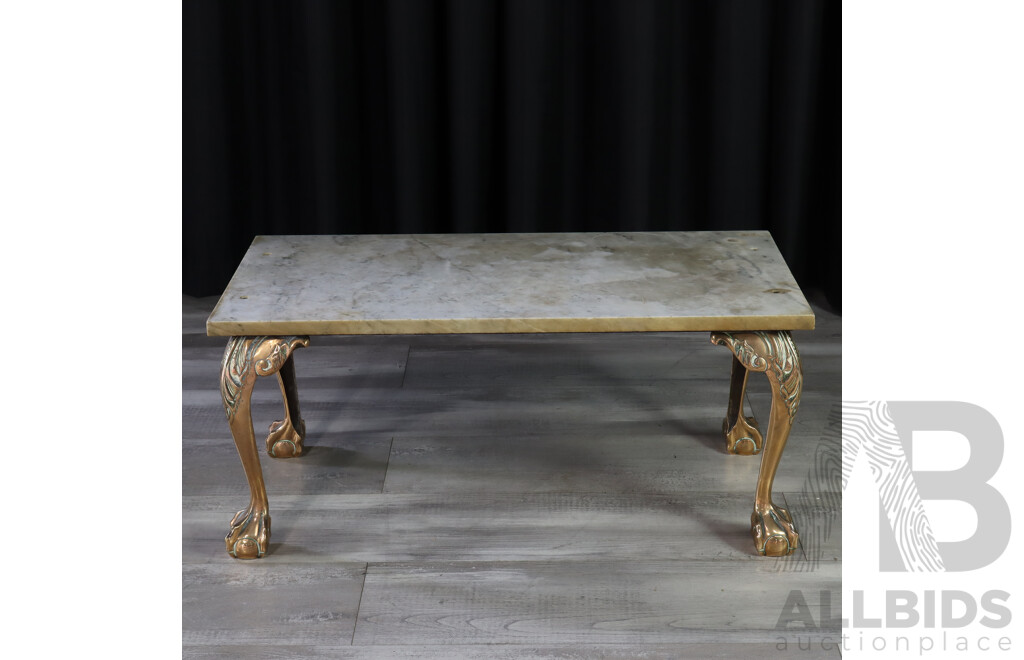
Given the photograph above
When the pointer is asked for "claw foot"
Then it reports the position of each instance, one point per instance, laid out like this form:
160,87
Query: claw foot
249,535
285,441
744,437
774,533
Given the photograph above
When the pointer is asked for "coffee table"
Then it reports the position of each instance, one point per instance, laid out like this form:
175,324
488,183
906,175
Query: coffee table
735,285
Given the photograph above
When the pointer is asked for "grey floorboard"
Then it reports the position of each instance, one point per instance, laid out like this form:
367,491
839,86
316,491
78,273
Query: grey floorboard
648,462
676,651
256,603
347,464
634,603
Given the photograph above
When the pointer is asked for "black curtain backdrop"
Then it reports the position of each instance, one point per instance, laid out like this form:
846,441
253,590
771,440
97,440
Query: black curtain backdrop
484,116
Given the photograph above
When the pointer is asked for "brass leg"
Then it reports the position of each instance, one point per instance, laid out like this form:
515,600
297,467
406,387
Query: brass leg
285,439
775,354
246,358
742,434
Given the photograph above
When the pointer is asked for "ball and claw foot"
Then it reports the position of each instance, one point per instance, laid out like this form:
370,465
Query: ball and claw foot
744,437
285,441
774,533
249,535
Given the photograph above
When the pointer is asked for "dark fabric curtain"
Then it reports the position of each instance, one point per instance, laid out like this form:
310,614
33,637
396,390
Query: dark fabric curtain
486,116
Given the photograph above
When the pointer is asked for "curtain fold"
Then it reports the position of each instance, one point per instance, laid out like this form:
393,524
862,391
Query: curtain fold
484,116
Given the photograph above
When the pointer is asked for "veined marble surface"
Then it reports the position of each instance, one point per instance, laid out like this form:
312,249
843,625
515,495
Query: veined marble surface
482,283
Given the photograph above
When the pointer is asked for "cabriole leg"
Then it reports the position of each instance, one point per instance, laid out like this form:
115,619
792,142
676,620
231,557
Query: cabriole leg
286,435
742,434
245,359
775,354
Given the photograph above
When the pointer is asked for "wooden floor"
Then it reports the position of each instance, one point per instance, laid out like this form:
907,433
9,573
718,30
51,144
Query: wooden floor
509,496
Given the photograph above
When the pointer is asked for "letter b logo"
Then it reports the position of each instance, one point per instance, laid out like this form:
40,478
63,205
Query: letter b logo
883,431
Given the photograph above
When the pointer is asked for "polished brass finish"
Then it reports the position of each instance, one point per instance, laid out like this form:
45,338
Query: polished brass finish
285,439
742,434
775,354
245,359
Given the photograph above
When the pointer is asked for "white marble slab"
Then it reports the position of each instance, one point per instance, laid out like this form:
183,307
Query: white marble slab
484,283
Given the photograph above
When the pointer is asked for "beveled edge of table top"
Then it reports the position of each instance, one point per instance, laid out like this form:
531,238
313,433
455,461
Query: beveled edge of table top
512,326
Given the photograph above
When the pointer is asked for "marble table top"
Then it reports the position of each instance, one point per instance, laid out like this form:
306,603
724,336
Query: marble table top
483,283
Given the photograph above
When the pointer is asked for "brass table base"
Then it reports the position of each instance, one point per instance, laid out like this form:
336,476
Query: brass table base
770,352
246,358
774,354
